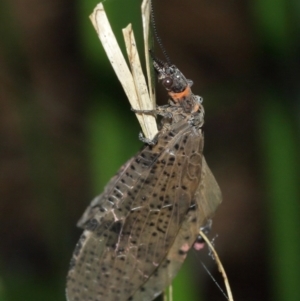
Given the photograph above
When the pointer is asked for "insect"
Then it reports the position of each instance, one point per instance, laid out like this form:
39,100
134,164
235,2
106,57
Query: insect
138,231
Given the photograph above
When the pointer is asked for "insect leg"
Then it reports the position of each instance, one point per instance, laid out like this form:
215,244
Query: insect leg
147,140
161,111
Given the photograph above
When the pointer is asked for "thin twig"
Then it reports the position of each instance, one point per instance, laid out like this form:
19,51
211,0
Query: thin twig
219,264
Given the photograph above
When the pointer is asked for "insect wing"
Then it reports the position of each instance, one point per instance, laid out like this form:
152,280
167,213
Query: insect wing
100,200
168,269
207,198
130,230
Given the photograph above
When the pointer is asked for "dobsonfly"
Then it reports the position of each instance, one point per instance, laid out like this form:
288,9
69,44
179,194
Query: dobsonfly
138,231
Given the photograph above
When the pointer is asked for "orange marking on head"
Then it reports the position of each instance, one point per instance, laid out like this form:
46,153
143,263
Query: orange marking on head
177,97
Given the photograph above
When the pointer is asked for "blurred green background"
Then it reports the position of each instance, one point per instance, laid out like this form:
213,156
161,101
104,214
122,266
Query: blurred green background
66,127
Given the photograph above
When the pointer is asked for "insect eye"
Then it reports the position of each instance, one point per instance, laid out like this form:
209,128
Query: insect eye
167,82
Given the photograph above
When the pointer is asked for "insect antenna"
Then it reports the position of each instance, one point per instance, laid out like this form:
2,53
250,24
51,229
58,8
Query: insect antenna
156,59
158,39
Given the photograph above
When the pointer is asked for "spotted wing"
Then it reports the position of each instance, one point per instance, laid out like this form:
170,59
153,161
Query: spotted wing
99,201
208,197
132,228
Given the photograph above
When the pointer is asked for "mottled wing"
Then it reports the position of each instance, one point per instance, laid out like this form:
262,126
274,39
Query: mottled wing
99,201
208,197
131,230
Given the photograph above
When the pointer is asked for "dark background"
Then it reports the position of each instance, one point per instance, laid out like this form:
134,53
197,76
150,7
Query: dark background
66,127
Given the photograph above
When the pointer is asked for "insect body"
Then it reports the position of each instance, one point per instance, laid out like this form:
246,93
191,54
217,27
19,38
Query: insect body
138,231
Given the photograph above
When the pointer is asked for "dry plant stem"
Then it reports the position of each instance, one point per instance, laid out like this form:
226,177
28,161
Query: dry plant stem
170,292
146,28
165,296
139,80
118,62
219,264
